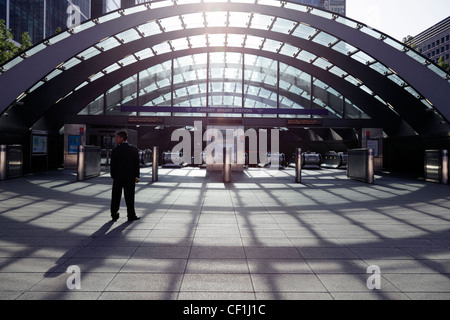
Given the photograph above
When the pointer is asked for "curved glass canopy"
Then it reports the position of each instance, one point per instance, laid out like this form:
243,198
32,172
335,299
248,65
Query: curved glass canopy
245,54
234,80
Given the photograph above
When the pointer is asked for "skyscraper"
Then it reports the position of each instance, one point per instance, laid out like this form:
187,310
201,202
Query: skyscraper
41,18
337,6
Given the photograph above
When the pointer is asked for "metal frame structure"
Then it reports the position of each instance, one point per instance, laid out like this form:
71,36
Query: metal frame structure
396,88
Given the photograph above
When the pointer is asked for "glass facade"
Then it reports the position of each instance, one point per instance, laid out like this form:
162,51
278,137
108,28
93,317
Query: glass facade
224,80
41,18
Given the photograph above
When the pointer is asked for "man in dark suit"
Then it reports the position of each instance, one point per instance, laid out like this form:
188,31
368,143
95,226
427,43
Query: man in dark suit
125,173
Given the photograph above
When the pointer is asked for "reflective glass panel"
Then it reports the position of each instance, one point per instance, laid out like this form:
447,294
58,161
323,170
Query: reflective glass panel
149,29
171,24
304,31
282,25
324,39
194,20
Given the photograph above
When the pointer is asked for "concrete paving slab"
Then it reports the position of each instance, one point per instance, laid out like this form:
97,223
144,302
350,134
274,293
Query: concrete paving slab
263,236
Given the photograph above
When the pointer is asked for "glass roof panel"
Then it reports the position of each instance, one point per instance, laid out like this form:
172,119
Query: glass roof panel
216,40
282,25
396,79
72,62
235,40
322,63
362,57
270,3
127,60
304,31
379,99
366,89
128,35
162,48
253,42
289,50
395,44
111,68
238,19
135,9
295,6
35,49
197,41
417,56
438,70
261,21
426,103
84,26
96,76
59,37
111,16
271,45
343,47
180,44
347,22
371,32
352,80
412,92
216,19
380,68
89,53
194,20
324,39
81,85
144,54
322,13
338,71
37,85
171,24
161,4
306,56
149,29
108,43
53,74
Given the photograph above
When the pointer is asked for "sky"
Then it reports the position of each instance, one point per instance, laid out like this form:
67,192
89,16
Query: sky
399,18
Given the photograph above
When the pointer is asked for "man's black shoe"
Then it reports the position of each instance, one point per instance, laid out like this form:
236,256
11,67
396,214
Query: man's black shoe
133,218
114,218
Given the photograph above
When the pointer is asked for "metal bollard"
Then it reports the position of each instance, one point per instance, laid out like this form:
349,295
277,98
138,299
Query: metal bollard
3,160
226,173
370,165
298,165
81,163
155,164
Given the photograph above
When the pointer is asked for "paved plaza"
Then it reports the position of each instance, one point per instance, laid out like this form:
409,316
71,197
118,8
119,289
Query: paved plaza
262,236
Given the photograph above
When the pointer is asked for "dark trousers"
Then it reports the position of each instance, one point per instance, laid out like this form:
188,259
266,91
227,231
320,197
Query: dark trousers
128,187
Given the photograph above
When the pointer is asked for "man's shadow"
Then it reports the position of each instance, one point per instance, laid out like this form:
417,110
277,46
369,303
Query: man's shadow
57,268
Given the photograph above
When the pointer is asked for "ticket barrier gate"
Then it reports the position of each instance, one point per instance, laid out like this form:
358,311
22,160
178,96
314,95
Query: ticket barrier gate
334,160
172,159
311,160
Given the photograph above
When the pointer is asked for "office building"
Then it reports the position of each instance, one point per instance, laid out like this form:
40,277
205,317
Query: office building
434,42
42,18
